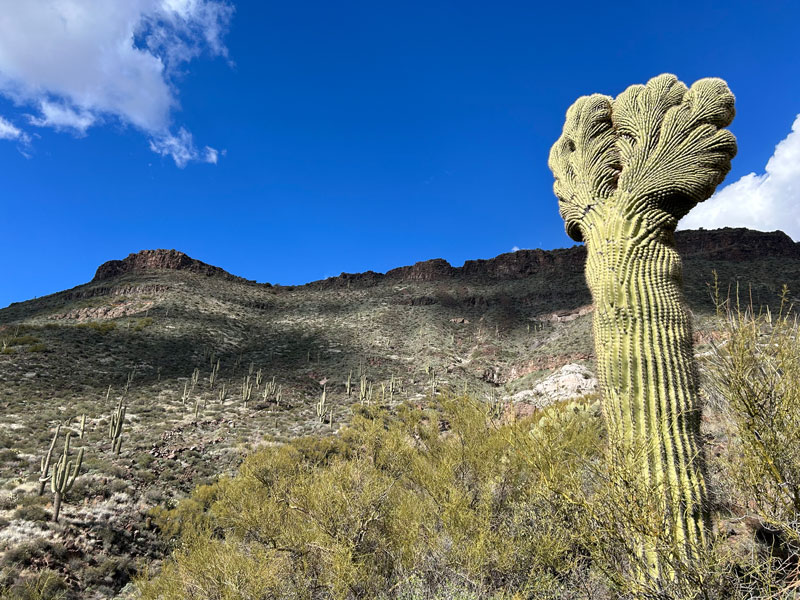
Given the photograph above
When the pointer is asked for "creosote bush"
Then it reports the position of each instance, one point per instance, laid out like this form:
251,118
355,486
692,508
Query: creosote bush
443,498
755,376
99,326
442,502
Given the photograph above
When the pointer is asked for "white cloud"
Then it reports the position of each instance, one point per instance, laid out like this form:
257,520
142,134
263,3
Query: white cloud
515,249
765,202
60,116
79,63
211,155
181,149
9,131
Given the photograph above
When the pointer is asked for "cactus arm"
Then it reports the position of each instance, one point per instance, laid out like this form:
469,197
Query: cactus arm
44,476
626,171
585,162
115,427
64,473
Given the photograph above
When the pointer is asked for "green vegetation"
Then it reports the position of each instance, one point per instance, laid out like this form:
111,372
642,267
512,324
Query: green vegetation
446,501
44,471
755,377
390,503
44,585
380,331
100,326
627,170
142,323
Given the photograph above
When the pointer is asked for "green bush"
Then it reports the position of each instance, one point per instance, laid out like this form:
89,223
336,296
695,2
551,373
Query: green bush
44,585
447,501
37,551
393,500
99,326
23,340
32,512
142,323
755,377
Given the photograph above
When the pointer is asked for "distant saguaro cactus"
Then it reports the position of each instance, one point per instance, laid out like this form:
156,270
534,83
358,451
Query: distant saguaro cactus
115,427
626,171
63,475
45,475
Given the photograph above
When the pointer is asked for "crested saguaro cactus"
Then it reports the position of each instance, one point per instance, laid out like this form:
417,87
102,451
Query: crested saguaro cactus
626,171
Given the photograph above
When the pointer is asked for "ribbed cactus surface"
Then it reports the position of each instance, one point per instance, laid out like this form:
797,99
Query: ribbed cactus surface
626,171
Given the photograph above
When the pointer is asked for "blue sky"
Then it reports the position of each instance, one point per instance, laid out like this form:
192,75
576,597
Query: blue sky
291,141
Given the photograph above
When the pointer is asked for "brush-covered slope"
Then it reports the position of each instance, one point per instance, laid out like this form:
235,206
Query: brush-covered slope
154,325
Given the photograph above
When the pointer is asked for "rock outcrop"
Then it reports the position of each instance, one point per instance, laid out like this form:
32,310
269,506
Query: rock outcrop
160,259
734,244
570,381
429,270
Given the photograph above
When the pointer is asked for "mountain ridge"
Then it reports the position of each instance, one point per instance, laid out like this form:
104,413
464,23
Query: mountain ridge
734,244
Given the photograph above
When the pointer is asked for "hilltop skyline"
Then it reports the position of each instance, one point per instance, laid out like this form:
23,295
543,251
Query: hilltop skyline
291,143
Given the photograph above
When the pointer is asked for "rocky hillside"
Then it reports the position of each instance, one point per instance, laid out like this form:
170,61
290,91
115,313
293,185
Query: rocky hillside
167,332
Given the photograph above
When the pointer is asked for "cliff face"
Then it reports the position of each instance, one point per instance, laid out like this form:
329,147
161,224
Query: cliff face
160,259
720,244
727,244
735,244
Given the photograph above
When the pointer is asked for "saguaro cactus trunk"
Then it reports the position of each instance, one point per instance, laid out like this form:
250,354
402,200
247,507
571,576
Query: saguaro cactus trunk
627,170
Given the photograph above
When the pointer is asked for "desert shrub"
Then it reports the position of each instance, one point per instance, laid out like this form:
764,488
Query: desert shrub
110,570
8,455
188,516
142,323
38,551
32,512
43,585
444,497
39,347
23,340
447,501
754,374
99,326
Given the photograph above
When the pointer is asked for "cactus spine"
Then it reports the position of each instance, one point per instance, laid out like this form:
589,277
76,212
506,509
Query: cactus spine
626,171
44,475
63,475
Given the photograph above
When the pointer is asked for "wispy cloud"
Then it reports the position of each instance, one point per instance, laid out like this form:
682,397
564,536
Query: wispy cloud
63,117
79,63
181,149
9,131
766,201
